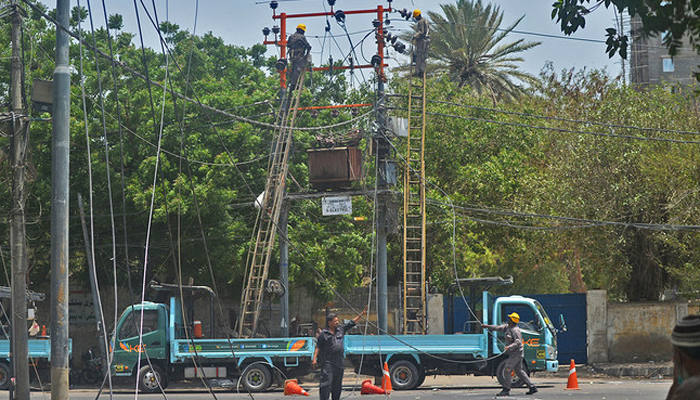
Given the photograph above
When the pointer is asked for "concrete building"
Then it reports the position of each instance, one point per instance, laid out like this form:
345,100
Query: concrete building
651,64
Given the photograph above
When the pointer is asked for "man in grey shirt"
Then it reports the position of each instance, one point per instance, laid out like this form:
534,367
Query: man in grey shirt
515,350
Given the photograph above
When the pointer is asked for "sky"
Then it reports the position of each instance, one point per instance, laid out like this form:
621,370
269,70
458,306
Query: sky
240,22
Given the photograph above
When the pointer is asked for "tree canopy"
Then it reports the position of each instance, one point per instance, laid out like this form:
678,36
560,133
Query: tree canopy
676,20
469,44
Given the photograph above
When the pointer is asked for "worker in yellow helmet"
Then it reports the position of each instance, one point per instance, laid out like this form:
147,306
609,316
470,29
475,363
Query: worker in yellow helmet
299,52
515,351
422,41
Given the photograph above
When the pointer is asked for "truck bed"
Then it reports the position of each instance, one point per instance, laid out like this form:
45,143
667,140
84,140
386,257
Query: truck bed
38,348
240,349
467,345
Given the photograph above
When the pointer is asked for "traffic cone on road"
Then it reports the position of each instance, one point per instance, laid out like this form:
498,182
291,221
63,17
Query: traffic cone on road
291,387
386,379
572,384
369,388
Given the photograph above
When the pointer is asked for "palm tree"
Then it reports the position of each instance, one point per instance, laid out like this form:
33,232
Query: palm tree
466,44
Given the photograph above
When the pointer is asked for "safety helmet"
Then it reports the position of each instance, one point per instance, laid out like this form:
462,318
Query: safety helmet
302,27
416,13
514,317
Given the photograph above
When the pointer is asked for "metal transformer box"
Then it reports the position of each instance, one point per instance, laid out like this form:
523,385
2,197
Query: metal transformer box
332,168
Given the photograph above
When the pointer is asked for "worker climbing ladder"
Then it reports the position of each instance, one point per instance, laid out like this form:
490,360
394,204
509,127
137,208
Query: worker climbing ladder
265,230
414,305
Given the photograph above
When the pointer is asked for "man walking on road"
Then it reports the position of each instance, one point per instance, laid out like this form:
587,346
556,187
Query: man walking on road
515,350
329,350
685,339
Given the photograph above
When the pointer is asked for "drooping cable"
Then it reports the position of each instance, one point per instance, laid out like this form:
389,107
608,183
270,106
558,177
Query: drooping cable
97,295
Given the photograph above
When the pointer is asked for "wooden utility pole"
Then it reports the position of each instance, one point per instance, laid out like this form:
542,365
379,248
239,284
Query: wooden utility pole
20,138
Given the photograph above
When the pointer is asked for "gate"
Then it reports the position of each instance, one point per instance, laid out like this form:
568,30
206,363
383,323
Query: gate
571,344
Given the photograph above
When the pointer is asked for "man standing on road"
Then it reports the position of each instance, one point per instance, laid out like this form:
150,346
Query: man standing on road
686,352
514,349
329,350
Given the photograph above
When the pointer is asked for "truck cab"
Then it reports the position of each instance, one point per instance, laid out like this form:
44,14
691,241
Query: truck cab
539,334
132,350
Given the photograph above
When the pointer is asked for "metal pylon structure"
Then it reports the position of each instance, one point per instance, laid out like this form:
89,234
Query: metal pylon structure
265,231
414,243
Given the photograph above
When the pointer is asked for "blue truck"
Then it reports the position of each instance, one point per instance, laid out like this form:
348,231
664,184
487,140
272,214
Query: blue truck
170,348
473,351
38,347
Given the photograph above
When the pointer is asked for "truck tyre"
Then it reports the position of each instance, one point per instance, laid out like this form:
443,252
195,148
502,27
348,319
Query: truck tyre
4,376
150,378
515,381
421,379
404,375
256,377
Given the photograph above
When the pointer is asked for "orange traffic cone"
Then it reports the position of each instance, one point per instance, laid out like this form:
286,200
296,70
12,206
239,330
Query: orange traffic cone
386,379
572,384
369,388
291,387
43,331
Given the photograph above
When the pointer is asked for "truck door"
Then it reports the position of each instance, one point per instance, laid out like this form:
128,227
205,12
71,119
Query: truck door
531,326
129,347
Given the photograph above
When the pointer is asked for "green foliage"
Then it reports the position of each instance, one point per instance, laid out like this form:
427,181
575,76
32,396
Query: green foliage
676,20
468,44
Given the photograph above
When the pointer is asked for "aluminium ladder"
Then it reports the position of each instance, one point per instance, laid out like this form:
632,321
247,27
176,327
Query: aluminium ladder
266,225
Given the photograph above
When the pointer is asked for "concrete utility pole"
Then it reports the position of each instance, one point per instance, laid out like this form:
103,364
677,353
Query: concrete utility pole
386,179
60,163
284,268
20,138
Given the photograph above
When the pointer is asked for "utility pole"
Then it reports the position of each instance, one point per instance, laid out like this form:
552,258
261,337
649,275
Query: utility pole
60,163
20,137
386,179
284,268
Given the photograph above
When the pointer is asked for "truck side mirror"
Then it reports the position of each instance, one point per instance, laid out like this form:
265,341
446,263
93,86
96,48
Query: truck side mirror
562,323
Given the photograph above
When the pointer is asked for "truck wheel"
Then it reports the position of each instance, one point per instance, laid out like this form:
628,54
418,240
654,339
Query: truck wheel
421,379
4,376
149,379
515,381
404,375
256,377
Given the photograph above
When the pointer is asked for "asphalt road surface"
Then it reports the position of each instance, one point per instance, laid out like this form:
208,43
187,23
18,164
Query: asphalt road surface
470,388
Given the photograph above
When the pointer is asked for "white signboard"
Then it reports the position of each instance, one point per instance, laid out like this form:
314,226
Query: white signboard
338,205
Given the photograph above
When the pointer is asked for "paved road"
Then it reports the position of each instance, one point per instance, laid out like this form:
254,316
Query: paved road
471,388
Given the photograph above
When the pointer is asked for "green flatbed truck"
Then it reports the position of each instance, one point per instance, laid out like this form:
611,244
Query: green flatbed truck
167,350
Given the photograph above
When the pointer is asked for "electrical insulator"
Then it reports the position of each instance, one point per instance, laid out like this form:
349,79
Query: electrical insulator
331,3
376,23
354,111
314,114
281,64
400,47
376,61
274,5
335,113
266,31
276,29
339,16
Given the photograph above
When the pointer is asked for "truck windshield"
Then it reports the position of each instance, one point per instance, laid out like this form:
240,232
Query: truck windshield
545,316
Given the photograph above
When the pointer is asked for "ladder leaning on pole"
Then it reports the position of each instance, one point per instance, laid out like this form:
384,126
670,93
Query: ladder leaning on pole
265,230
414,243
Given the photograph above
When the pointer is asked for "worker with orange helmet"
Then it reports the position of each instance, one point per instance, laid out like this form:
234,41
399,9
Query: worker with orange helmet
515,351
422,41
299,51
